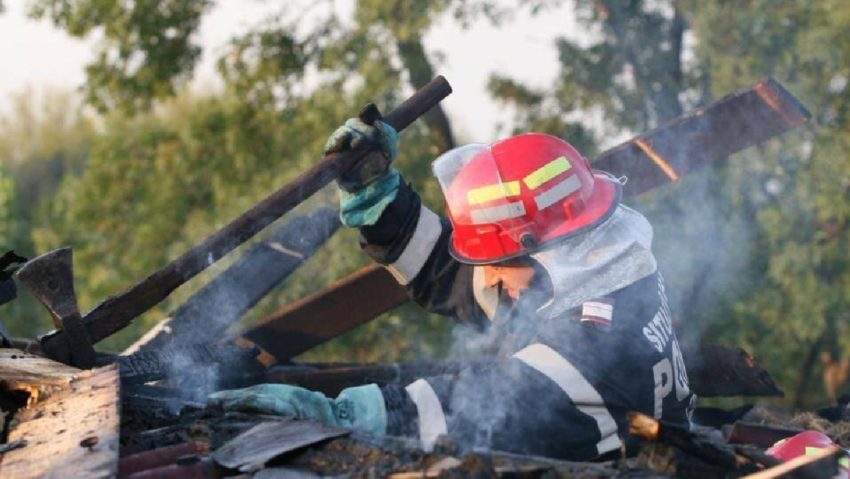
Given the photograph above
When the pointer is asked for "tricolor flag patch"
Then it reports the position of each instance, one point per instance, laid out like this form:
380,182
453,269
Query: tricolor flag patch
598,311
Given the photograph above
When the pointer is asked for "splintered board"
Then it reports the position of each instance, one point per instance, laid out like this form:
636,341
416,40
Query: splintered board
70,425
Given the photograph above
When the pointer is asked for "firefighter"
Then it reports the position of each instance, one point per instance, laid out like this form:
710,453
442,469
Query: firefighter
540,255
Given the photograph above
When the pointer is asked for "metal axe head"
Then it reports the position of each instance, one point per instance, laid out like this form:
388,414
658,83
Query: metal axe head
50,277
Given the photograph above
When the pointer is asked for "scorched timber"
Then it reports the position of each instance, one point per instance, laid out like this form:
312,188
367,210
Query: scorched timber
224,300
729,125
714,371
739,120
294,329
71,427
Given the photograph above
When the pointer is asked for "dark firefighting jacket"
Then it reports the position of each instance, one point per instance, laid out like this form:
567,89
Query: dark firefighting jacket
566,362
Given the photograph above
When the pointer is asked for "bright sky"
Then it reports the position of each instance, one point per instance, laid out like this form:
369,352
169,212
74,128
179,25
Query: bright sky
34,54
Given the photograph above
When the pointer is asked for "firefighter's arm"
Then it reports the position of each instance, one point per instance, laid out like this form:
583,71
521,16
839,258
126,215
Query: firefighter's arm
396,229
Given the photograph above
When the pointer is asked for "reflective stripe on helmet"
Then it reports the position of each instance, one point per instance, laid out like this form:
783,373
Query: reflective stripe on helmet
585,397
547,172
495,214
432,419
558,192
492,192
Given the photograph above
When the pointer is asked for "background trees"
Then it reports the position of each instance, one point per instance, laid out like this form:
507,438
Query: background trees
754,249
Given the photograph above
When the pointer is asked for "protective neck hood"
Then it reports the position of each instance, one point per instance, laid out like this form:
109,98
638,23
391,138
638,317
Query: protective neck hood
609,257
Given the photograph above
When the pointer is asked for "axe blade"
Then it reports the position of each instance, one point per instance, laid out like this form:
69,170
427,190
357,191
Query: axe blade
50,277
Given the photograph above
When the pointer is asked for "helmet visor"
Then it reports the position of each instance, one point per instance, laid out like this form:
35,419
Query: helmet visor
476,189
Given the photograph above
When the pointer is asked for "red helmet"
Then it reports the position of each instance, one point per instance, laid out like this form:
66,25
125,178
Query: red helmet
804,444
520,195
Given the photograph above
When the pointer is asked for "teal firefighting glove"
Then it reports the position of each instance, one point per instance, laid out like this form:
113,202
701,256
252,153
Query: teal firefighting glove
370,185
360,407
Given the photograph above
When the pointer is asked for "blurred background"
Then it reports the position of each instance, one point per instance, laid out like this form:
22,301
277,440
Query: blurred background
130,130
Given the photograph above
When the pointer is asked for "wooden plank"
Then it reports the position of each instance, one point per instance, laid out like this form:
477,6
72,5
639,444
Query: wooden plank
735,122
250,450
225,299
71,433
294,328
660,156
713,371
36,375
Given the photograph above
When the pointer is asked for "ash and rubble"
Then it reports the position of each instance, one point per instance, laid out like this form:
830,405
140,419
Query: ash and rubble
167,430
723,443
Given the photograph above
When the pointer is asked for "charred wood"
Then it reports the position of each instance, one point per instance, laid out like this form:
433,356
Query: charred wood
202,468
717,417
163,456
716,370
293,329
224,300
700,446
758,434
731,124
182,362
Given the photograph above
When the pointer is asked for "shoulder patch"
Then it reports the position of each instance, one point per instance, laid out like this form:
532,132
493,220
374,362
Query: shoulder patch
599,311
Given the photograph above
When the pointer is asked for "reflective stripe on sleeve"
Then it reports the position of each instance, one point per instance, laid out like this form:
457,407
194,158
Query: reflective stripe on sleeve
555,367
432,420
557,192
418,249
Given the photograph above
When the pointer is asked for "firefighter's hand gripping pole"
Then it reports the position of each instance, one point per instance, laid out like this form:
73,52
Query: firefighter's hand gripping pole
118,311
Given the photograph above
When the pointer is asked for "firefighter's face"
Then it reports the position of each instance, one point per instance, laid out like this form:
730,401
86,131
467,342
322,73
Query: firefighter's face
514,276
